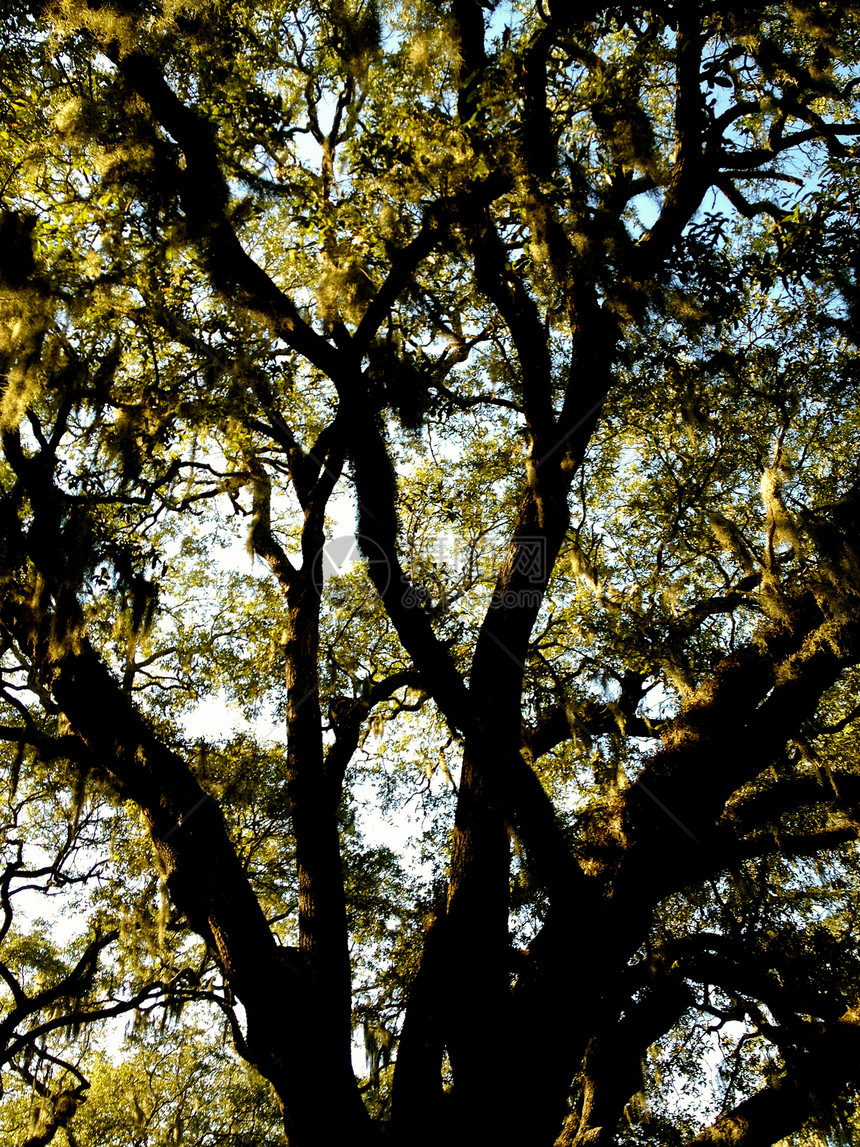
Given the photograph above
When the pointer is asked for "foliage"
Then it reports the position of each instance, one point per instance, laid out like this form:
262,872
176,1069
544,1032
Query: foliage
430,570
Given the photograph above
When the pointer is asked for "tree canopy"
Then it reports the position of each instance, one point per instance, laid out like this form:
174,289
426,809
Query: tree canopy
429,636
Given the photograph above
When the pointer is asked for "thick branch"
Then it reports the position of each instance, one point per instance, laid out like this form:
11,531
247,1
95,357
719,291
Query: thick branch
690,174
612,1070
808,1088
204,197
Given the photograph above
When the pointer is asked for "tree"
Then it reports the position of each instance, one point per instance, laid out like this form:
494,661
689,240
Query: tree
567,300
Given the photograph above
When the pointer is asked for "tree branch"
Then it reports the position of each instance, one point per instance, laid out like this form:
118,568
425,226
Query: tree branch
204,196
807,1088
